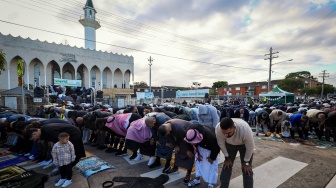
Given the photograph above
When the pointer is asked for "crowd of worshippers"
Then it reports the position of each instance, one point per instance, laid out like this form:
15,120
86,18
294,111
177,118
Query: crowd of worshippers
195,135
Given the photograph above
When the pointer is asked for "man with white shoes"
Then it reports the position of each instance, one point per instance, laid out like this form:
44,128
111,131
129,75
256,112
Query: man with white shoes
139,136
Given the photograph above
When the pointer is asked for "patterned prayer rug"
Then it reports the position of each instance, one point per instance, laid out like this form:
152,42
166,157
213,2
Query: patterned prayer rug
92,165
10,172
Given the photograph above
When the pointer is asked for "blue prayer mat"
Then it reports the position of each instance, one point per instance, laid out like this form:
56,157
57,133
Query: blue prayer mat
92,165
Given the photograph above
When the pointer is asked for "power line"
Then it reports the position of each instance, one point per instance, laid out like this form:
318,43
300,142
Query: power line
133,49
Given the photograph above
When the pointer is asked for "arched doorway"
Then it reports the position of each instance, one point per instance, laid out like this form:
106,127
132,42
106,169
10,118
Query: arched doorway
36,71
117,77
95,77
55,72
127,78
82,74
107,77
14,80
68,71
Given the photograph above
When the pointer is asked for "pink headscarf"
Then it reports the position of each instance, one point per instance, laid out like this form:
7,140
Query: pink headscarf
193,136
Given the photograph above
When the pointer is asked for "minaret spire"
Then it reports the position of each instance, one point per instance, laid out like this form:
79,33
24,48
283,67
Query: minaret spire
90,24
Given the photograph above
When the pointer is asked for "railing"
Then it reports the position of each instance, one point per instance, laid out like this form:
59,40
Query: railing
82,17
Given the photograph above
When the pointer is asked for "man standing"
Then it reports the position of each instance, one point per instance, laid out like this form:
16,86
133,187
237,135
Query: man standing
235,135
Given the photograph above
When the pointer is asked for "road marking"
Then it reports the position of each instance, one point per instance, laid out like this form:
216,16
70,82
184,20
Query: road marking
332,183
172,177
133,162
271,174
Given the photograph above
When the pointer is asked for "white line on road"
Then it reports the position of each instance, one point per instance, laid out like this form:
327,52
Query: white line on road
332,183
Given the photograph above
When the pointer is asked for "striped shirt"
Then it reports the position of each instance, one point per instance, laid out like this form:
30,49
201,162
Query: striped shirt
63,154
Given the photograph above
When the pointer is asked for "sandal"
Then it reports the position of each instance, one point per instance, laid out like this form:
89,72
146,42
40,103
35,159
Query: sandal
193,183
186,178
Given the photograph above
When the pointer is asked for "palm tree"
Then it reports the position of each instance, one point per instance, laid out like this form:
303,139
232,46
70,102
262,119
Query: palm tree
2,61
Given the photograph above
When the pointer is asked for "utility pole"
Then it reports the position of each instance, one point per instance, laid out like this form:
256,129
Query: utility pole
270,66
323,75
150,73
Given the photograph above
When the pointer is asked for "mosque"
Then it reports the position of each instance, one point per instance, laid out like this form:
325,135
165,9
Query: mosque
47,63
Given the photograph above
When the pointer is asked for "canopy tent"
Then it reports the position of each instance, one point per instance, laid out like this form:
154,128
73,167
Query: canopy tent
278,96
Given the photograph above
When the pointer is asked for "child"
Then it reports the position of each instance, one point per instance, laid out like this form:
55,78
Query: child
63,154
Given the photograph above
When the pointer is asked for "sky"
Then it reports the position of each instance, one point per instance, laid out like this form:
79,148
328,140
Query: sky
193,40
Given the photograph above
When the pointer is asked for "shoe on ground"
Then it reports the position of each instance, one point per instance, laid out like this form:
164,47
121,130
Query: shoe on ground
151,161
27,154
47,163
210,186
186,179
66,183
42,163
32,157
101,147
60,182
121,153
193,183
138,157
134,155
156,164
278,136
171,170
165,169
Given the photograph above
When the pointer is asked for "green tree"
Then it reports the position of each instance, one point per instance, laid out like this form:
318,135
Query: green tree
219,84
291,84
2,61
310,91
327,89
301,74
142,83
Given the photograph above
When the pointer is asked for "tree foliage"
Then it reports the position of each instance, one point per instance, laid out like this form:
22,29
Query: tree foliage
316,91
291,84
142,83
301,74
219,84
2,61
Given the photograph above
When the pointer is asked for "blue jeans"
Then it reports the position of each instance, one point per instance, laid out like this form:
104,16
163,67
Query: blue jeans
227,172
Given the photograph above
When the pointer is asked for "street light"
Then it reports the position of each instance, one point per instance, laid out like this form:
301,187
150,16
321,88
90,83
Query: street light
270,73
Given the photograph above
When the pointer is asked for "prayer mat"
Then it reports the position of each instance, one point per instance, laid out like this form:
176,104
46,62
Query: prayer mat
11,159
92,165
27,179
142,182
10,172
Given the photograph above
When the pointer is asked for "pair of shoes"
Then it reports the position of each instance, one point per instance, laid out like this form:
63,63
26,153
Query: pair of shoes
187,178
66,183
110,150
155,164
138,157
60,182
101,147
171,170
193,183
134,155
151,161
121,153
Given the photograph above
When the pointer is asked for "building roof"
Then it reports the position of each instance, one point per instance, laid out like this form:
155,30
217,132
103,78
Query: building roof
16,91
252,84
89,4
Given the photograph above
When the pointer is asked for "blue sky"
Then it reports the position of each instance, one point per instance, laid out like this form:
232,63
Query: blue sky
210,40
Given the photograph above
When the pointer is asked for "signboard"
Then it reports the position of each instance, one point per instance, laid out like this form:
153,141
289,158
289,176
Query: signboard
68,58
121,102
144,95
11,102
191,93
37,99
65,82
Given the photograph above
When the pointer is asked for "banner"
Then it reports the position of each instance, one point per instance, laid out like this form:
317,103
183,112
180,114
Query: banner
144,95
191,93
65,82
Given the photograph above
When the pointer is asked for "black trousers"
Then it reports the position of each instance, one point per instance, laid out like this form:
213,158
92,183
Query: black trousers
66,171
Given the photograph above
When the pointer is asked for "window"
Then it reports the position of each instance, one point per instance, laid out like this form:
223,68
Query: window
237,88
93,78
230,89
67,75
264,87
138,89
37,74
104,79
